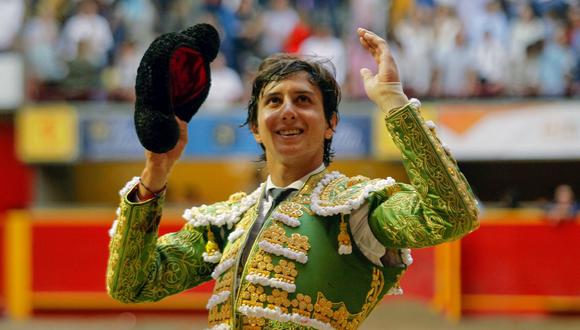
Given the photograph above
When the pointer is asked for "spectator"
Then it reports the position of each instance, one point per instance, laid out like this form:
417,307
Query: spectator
83,81
525,76
472,13
40,40
574,32
417,41
455,74
248,37
491,63
230,27
88,26
556,65
447,27
279,21
525,30
227,88
302,30
120,78
323,44
564,207
371,15
138,20
11,18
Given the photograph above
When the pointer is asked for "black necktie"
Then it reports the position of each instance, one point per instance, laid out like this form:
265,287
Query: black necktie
278,195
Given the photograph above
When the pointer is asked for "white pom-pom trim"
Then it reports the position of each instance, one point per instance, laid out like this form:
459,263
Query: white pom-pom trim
113,229
213,258
344,249
446,147
350,205
279,250
271,282
285,219
124,191
406,256
395,291
199,219
276,314
129,186
222,267
234,235
221,326
217,298
415,104
430,124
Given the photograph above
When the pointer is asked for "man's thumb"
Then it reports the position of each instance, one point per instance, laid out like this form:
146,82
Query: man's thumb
366,74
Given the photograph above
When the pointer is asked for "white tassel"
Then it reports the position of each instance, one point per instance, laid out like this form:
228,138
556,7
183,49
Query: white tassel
406,256
344,249
395,291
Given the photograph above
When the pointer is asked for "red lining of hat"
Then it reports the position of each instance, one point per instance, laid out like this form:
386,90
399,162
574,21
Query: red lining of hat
188,75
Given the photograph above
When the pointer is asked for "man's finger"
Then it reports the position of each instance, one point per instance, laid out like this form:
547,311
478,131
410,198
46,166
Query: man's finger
366,74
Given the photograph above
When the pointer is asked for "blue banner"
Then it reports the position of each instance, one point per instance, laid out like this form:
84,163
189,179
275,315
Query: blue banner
111,136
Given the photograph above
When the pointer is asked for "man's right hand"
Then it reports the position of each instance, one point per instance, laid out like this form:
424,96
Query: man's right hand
158,166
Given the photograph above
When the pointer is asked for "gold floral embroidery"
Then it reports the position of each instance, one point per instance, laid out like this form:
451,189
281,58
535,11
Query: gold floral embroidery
253,295
221,313
324,310
433,172
291,209
285,271
275,234
298,243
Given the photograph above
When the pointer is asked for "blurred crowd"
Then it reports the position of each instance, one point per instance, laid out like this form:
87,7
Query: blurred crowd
90,49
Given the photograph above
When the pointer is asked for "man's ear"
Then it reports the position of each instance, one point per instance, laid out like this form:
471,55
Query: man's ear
332,127
255,133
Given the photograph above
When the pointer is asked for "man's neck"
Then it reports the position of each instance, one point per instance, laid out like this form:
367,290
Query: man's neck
282,175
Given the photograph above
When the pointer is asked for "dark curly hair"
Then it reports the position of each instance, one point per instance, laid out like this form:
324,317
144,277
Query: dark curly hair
278,67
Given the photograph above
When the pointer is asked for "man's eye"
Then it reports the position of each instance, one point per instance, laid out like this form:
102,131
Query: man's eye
273,100
303,99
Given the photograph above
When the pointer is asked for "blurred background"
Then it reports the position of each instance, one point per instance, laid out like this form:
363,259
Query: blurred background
501,79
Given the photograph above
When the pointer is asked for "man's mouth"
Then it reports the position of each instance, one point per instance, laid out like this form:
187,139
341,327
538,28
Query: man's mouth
290,132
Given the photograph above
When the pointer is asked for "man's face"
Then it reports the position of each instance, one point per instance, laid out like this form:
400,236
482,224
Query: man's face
291,123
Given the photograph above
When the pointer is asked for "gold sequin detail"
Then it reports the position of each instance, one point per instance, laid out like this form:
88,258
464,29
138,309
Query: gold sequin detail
334,313
275,234
291,209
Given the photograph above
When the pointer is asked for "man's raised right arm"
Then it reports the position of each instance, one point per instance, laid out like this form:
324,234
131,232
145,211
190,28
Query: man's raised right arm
143,267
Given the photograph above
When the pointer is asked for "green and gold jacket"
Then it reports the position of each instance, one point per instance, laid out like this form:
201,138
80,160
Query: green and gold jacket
304,270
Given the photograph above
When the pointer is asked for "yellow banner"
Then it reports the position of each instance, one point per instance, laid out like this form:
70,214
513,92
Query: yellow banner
383,146
47,133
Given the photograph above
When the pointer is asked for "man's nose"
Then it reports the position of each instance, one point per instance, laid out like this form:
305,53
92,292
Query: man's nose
288,110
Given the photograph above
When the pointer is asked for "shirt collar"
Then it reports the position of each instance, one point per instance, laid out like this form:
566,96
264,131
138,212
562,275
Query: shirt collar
298,184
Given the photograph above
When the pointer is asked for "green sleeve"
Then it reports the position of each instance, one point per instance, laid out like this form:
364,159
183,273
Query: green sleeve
438,206
143,267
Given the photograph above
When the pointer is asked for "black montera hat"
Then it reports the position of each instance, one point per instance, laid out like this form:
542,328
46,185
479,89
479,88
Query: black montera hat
173,79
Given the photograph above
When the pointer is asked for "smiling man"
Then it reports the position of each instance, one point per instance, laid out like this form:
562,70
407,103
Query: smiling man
309,248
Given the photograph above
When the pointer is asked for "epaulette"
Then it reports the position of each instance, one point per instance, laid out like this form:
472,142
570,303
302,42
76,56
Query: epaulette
339,194
222,213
